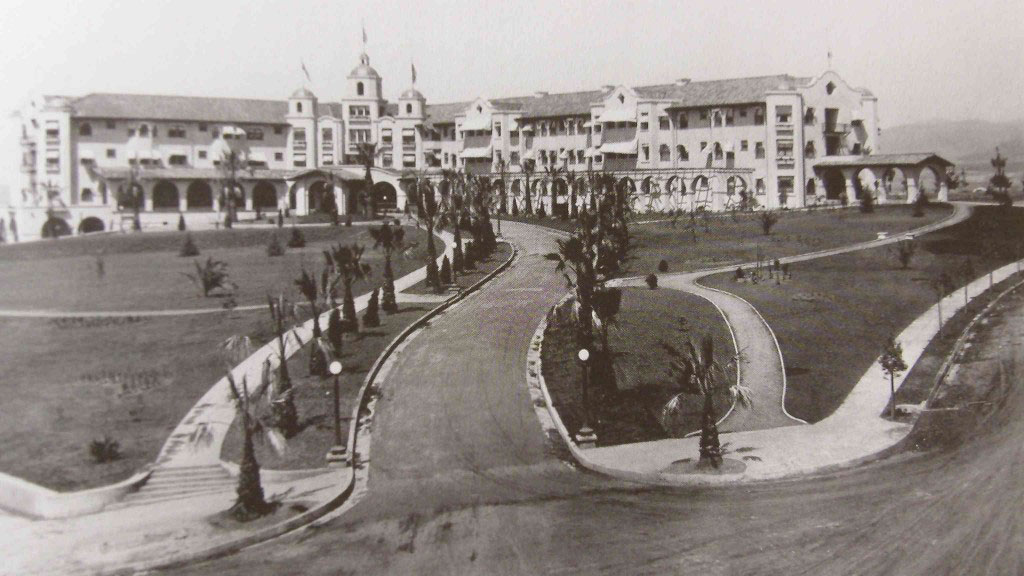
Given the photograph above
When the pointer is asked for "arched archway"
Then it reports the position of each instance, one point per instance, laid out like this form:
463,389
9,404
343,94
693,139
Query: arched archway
835,184
894,182
385,196
928,182
55,227
264,196
90,225
199,196
701,188
165,196
320,197
126,198
559,198
811,188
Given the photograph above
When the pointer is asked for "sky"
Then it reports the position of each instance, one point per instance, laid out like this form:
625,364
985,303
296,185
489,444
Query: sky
924,59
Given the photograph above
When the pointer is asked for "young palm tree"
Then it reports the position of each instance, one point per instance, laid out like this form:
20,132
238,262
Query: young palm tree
528,167
250,502
455,204
285,416
432,215
232,165
347,264
131,194
316,294
388,239
696,371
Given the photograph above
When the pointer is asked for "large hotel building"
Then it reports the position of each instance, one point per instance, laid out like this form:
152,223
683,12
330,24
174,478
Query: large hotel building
783,141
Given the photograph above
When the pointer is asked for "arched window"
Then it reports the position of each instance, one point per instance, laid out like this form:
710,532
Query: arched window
298,106
809,150
359,89
144,130
719,154
408,108
85,129
682,153
830,87
665,153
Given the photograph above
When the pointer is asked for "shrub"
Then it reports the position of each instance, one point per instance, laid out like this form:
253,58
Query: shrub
652,281
371,318
867,202
663,266
904,250
210,276
769,218
446,271
105,450
469,259
540,211
458,259
433,277
181,222
280,218
274,248
515,208
739,274
335,330
348,220
189,248
919,205
297,240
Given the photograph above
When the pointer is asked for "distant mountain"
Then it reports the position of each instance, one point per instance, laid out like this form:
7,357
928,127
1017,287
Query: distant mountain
968,143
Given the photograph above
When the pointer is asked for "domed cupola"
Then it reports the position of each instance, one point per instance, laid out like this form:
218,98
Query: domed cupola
364,83
411,103
302,103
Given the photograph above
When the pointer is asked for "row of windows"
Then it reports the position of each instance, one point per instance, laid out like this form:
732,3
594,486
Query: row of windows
174,131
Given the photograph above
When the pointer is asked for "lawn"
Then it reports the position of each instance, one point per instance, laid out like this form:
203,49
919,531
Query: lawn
833,316
312,393
631,412
66,382
144,271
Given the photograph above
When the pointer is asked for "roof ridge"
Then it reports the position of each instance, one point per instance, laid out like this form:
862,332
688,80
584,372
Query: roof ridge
189,96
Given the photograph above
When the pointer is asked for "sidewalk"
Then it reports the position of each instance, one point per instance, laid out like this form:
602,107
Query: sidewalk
855,431
164,522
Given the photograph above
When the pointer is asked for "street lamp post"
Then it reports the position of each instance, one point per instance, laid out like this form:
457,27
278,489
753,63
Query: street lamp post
586,438
337,454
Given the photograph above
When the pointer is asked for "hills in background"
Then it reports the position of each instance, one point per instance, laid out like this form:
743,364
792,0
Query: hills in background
971,144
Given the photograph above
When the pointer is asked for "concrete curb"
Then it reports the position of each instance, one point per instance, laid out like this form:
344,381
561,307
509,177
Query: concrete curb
359,412
39,502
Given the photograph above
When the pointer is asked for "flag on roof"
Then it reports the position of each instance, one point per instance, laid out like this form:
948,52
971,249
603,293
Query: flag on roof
305,71
413,72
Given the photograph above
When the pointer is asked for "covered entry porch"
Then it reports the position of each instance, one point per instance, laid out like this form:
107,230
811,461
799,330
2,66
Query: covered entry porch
853,176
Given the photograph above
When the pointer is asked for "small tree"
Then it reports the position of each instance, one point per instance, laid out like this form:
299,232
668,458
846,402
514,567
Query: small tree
663,266
999,184
346,262
284,415
941,285
274,247
280,218
188,248
696,371
769,218
250,502
389,239
893,365
920,203
904,250
652,281
446,271
314,294
470,258
181,222
371,317
297,240
335,331
867,202
213,275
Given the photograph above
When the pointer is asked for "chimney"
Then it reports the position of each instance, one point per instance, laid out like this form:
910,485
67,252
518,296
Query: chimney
682,81
539,94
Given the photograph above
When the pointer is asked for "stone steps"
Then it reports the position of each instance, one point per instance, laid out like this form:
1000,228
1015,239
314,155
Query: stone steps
174,483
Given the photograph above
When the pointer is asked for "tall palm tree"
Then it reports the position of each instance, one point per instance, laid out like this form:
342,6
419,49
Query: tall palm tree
456,204
388,239
696,371
528,167
366,152
232,165
553,173
284,414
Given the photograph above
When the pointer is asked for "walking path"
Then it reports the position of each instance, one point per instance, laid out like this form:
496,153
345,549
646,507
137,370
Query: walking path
188,484
760,364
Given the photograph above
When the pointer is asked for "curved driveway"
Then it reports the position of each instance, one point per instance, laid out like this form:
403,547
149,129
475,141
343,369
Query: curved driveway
486,495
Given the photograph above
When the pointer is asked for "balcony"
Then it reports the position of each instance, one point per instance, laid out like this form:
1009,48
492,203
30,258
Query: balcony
785,161
299,145
837,128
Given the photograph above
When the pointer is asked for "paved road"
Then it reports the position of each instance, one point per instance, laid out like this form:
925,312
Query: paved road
462,483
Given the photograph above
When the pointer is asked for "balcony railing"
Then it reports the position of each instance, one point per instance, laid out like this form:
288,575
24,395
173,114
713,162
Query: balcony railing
299,145
785,161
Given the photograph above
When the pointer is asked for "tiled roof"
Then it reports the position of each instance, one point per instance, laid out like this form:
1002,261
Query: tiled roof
191,108
912,159
720,92
182,108
189,173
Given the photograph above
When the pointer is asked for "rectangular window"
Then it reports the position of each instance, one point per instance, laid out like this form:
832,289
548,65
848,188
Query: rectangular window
743,146
598,159
703,146
497,128
597,128
663,123
408,160
327,135
202,154
359,111
785,188
388,159
202,127
514,159
385,136
758,149
111,153
665,153
643,126
729,119
254,133
278,129
111,125
784,148
759,117
278,156
131,132
703,114
177,160
783,114
299,135
176,132
809,116
408,137
647,152
684,121
743,112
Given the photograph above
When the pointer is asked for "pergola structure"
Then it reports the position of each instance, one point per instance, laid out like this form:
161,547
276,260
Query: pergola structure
841,174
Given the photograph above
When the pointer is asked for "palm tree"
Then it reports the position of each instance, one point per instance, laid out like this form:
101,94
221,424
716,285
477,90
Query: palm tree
232,164
696,371
130,194
454,203
285,417
431,215
367,155
552,175
528,167
347,264
249,500
388,239
315,294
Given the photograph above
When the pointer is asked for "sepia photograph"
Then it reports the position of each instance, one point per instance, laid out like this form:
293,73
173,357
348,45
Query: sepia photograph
443,287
